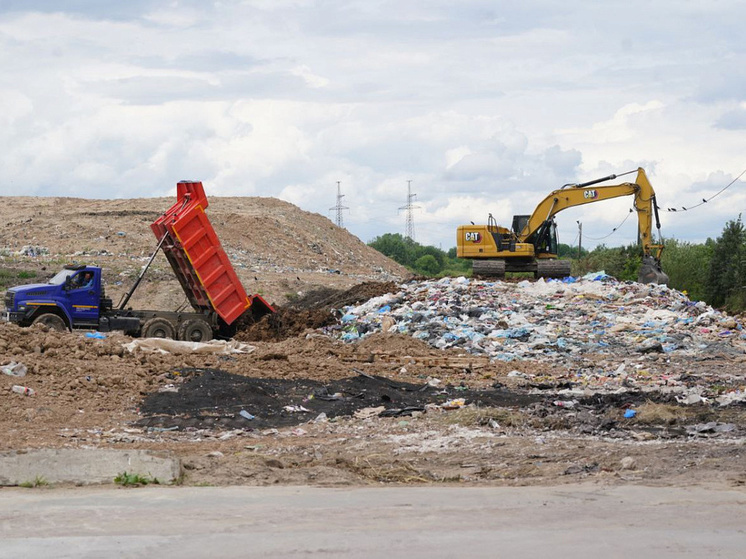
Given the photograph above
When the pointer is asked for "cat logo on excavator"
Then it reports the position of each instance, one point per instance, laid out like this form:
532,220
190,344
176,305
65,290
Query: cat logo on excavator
473,236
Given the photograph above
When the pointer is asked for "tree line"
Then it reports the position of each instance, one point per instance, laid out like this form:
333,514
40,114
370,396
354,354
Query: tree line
713,271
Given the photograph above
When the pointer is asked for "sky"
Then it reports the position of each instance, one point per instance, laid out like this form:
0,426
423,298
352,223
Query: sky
485,106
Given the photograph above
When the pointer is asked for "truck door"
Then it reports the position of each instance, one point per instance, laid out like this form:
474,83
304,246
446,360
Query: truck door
83,293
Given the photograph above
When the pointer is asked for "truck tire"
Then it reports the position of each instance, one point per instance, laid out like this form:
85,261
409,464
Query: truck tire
51,321
158,328
195,330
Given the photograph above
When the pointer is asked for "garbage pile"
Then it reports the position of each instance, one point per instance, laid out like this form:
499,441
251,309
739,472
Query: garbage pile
554,320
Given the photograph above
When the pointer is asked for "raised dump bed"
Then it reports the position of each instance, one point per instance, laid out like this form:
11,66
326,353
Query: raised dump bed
198,259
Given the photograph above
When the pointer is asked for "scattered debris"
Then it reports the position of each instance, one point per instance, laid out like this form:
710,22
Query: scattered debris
14,369
551,320
164,345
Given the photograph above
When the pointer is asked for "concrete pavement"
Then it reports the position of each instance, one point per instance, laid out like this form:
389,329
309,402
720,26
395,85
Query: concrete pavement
579,521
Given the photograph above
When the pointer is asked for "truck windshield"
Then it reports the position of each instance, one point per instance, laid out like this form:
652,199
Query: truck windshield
61,276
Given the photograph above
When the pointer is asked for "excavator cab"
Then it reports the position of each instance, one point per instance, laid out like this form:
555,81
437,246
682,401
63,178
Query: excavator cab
519,222
545,239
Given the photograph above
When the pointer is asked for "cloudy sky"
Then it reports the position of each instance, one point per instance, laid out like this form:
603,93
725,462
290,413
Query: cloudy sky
486,106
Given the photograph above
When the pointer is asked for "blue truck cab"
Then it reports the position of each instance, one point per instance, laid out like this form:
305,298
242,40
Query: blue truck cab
73,298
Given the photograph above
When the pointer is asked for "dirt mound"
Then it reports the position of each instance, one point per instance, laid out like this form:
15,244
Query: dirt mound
327,298
313,310
277,249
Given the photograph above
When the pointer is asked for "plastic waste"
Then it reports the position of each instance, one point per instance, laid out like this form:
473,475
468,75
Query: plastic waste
629,414
565,403
454,404
96,335
14,369
555,322
245,414
296,409
23,390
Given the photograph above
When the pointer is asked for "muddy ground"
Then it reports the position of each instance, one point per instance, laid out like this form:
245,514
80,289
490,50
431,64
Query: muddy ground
304,407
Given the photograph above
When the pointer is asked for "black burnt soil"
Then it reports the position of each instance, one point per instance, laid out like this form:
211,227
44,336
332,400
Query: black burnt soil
212,398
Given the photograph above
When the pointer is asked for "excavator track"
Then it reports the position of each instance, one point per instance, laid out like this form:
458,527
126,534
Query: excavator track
488,268
552,268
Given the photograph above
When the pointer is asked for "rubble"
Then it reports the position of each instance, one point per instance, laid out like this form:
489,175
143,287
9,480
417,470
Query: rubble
631,330
551,319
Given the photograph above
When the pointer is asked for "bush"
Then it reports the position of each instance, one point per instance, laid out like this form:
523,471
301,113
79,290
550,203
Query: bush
424,260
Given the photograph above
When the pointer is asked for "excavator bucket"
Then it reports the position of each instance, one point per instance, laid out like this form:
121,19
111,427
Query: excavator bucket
651,272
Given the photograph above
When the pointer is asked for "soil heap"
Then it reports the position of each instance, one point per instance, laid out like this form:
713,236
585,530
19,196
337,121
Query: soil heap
277,249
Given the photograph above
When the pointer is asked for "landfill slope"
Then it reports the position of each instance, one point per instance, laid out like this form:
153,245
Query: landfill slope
454,380
277,249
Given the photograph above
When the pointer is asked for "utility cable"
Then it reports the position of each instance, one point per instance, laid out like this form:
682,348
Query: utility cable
705,200
631,211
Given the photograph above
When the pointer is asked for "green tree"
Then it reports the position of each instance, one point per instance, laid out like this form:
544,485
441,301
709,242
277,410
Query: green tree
725,274
425,260
394,246
687,266
427,265
567,251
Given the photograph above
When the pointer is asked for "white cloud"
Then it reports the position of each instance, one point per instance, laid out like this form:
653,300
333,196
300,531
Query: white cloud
485,107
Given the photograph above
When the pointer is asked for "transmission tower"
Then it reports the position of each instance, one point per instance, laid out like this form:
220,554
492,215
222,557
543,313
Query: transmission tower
410,207
339,207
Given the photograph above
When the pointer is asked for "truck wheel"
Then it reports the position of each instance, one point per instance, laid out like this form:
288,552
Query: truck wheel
195,330
51,321
158,328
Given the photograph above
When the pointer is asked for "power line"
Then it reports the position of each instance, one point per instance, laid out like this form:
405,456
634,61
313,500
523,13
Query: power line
631,211
705,200
683,208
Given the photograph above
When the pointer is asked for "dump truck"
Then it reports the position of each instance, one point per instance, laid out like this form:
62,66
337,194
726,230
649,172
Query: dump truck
76,298
530,245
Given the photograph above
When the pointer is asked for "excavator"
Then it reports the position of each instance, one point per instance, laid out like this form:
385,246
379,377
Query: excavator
531,244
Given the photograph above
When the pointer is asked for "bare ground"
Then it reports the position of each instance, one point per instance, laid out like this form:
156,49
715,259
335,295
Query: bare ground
91,392
382,422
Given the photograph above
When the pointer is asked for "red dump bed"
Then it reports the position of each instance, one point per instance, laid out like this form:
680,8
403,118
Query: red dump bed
198,260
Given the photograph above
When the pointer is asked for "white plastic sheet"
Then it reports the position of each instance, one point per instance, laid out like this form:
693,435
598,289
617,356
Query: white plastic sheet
163,345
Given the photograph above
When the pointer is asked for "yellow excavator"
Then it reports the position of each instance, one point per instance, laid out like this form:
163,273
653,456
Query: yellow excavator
531,244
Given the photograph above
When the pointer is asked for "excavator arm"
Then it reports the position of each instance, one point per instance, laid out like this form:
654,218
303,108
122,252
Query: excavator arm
587,193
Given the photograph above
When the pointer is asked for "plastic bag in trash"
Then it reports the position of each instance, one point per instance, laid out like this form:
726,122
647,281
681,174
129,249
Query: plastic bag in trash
14,369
